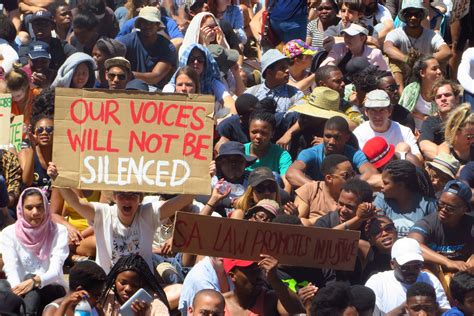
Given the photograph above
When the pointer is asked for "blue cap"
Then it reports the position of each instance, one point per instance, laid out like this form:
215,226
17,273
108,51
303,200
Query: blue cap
42,15
39,49
137,84
460,189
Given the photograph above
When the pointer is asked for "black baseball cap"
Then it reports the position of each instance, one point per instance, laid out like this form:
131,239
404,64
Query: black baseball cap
259,175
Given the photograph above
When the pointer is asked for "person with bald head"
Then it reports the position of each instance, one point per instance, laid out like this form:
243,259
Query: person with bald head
207,302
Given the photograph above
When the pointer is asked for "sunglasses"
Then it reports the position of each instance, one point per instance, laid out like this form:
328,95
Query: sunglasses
112,76
47,129
199,59
262,188
417,14
345,175
378,230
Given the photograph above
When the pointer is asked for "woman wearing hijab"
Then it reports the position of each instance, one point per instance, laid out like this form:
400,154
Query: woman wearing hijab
34,250
200,59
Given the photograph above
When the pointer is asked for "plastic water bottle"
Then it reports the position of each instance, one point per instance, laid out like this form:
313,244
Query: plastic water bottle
83,308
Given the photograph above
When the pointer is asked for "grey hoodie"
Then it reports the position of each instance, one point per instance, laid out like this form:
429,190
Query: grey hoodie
66,71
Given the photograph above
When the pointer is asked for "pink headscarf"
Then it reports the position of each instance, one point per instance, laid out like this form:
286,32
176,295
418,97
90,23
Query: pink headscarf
37,239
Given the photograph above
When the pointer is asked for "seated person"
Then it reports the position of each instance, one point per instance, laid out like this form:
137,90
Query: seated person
307,167
250,296
378,109
446,235
317,198
207,302
446,96
442,169
42,23
33,251
390,287
108,24
126,277
363,300
151,55
382,234
377,16
403,198
39,60
261,130
301,57
354,45
421,300
462,292
86,279
85,26
334,299
118,73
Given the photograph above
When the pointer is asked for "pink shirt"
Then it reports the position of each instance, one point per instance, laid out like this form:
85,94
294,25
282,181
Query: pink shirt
373,55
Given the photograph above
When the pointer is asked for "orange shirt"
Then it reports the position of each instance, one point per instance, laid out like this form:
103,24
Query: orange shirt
32,93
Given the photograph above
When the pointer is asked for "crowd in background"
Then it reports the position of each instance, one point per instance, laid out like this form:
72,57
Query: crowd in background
350,115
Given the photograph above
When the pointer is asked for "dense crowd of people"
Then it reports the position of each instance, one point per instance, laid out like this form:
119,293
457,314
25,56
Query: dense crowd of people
350,115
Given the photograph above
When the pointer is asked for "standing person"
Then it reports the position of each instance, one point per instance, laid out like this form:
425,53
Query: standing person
406,44
327,16
402,198
446,96
34,250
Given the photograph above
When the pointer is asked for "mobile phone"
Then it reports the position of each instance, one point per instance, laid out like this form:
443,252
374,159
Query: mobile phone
140,295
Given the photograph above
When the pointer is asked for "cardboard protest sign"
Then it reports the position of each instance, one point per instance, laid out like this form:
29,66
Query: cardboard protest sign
133,141
16,132
246,240
5,110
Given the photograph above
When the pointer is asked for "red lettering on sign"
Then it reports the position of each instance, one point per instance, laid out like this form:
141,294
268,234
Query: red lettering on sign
193,145
80,111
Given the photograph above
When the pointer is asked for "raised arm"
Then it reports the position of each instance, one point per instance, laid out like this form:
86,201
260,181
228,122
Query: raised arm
84,208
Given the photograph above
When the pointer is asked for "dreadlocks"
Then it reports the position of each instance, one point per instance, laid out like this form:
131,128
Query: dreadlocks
405,172
367,79
136,263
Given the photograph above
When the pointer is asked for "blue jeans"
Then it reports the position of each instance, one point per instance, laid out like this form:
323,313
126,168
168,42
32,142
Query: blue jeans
175,262
293,28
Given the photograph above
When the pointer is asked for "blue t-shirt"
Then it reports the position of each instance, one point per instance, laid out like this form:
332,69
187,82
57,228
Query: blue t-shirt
171,27
284,10
453,312
144,59
403,221
277,159
313,158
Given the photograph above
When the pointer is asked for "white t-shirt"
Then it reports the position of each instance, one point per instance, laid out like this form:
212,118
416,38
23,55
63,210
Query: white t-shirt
114,240
20,261
427,44
391,293
381,14
424,107
397,133
466,70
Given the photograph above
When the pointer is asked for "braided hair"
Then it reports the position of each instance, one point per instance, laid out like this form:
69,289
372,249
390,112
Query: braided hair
134,262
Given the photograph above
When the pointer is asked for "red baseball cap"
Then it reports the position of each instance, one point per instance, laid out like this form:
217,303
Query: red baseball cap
229,264
378,151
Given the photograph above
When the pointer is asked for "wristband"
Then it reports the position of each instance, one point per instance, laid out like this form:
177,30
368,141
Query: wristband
210,205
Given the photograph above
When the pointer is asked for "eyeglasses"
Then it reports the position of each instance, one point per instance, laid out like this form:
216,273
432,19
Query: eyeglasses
447,208
47,129
199,59
345,175
389,228
417,14
393,87
262,188
112,76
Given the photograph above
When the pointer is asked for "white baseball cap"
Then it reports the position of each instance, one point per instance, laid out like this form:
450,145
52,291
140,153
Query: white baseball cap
405,250
355,29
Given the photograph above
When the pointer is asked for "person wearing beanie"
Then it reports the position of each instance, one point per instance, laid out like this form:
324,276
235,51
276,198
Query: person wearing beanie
390,287
446,235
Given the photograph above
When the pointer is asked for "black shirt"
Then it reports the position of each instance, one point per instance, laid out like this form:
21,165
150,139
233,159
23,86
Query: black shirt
376,262
432,130
403,116
232,129
454,243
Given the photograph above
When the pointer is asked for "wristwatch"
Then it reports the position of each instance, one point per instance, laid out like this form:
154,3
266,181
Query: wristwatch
36,283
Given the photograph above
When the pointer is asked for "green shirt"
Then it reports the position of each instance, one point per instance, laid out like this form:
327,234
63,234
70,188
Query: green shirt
277,159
